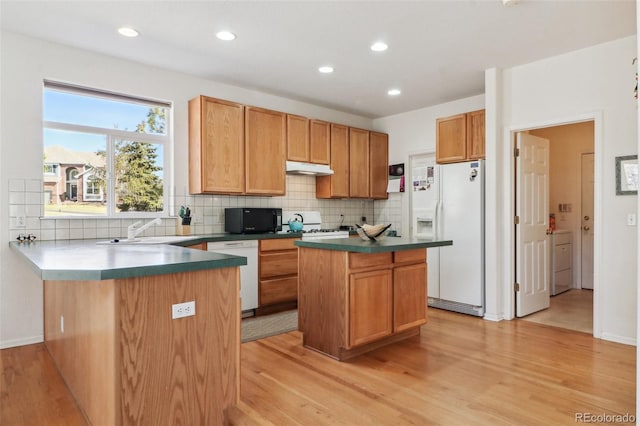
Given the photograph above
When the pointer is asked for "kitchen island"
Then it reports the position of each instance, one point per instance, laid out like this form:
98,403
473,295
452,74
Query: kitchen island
108,326
355,296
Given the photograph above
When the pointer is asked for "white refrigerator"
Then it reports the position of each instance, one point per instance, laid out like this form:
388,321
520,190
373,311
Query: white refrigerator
448,203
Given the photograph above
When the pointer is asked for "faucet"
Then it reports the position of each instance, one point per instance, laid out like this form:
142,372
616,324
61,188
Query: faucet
135,229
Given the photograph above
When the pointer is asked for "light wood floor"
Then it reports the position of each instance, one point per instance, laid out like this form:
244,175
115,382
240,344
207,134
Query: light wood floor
572,309
460,371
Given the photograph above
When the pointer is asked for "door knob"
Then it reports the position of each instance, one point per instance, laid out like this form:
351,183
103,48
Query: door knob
586,227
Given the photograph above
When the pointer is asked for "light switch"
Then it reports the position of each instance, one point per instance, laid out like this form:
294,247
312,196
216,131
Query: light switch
631,219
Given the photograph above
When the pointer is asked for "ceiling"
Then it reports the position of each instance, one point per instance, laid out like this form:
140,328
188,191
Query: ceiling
438,50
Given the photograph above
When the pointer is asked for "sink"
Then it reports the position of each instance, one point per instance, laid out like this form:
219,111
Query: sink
147,240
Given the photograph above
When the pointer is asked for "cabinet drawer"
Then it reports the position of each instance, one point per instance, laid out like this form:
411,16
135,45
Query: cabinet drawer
563,257
563,278
410,256
562,238
278,290
278,244
279,264
367,260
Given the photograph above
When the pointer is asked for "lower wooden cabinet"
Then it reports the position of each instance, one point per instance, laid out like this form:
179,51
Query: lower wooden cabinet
277,274
351,303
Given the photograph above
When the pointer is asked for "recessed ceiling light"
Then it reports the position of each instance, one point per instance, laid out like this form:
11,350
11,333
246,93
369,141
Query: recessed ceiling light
379,46
226,35
510,2
394,92
128,32
326,69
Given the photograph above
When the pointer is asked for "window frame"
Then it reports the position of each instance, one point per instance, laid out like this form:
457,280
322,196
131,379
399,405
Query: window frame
111,137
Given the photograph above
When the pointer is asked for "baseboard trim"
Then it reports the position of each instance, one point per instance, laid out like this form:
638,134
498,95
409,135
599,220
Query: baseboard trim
493,317
5,344
619,339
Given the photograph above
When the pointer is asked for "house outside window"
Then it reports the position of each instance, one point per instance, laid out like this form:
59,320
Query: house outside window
105,154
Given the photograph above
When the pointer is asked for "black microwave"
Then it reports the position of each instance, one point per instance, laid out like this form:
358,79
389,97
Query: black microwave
249,220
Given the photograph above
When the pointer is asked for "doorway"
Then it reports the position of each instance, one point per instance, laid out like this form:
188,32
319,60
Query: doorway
571,194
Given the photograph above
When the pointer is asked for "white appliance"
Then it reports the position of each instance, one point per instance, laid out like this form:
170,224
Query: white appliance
311,225
248,272
448,204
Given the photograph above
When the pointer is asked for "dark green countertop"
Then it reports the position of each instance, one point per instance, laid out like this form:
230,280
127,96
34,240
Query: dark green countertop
85,260
361,246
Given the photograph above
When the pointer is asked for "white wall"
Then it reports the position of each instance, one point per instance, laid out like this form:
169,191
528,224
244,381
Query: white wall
597,82
594,82
25,62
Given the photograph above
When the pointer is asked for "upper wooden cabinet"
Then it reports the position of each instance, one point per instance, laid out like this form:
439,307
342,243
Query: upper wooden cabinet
337,184
378,165
358,163
319,142
460,137
265,133
297,138
475,135
308,140
216,146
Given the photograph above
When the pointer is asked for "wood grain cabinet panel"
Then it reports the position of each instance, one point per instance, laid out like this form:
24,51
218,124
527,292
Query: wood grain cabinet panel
460,137
378,165
216,146
358,163
409,296
370,306
319,142
278,274
475,135
451,139
265,145
336,185
297,138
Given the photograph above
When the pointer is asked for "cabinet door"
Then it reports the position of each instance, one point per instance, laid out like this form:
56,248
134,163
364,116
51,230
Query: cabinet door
409,296
370,306
451,139
216,146
378,164
358,163
475,135
265,133
319,142
336,185
297,138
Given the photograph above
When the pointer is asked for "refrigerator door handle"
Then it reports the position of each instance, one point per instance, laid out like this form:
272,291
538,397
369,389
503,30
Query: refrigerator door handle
437,216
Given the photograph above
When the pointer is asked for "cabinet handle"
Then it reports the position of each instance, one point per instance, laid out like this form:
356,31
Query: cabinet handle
586,227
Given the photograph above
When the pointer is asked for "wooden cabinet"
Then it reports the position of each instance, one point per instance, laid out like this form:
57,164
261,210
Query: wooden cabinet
199,246
358,163
278,275
297,138
475,135
460,137
370,306
378,165
216,146
265,133
337,184
319,142
308,140
350,303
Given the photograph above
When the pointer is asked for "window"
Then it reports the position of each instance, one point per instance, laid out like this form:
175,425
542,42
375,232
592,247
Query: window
105,154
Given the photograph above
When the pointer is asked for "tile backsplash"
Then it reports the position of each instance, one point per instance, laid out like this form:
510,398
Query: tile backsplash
26,201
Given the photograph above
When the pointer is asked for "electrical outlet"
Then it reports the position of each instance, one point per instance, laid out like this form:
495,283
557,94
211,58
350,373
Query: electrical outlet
181,310
364,219
21,222
631,219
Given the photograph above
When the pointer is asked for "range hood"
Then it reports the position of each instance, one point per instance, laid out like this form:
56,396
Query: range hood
298,168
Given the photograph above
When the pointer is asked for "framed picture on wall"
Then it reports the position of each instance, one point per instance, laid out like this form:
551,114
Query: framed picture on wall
627,175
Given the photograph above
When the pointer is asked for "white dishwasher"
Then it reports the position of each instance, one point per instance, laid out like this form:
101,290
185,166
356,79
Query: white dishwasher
248,272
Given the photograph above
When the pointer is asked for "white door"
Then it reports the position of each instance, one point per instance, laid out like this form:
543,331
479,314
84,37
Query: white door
586,233
532,240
